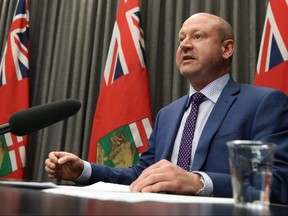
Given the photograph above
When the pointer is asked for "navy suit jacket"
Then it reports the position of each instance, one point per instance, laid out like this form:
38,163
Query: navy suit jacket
242,112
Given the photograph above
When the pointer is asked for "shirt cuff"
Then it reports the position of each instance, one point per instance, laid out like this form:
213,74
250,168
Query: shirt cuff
207,190
85,175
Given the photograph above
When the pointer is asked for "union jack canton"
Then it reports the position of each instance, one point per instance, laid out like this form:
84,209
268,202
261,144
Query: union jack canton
16,57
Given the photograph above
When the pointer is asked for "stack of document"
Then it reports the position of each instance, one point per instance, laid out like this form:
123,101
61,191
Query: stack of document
117,192
110,191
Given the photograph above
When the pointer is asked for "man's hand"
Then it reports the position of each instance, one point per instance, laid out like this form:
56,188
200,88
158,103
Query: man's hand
165,176
63,165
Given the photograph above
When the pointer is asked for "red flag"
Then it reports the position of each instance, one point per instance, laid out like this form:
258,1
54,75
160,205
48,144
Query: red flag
14,91
122,122
272,67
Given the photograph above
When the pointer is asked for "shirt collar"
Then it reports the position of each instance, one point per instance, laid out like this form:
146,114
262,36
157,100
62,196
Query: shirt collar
212,91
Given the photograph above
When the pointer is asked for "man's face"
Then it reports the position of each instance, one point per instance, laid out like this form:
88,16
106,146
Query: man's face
200,50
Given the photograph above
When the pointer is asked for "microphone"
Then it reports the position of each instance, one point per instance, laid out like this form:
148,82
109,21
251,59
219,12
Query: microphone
35,118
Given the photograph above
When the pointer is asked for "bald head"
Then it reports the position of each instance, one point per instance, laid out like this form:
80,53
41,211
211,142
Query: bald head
219,24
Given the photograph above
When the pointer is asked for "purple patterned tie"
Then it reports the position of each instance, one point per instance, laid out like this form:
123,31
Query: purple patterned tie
184,156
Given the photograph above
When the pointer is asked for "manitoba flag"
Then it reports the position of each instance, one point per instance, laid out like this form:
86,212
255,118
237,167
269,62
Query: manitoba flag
122,122
272,67
14,91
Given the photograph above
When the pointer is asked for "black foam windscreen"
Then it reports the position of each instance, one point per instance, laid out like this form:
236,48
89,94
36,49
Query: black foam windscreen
35,118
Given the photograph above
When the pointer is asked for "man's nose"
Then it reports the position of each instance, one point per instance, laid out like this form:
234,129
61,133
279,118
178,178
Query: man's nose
186,44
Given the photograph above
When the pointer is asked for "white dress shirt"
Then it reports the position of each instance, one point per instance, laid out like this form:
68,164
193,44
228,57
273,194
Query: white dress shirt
212,92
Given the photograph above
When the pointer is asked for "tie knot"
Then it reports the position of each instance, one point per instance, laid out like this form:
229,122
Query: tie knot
197,97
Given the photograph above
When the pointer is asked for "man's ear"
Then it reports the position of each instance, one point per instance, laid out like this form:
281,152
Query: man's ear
227,48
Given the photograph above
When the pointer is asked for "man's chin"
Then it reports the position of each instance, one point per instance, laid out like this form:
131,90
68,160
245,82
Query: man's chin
188,72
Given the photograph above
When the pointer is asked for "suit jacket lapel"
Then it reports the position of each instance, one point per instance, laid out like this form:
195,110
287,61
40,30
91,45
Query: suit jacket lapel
215,119
171,126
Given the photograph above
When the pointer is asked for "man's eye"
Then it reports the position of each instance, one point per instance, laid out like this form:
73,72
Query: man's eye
180,40
197,37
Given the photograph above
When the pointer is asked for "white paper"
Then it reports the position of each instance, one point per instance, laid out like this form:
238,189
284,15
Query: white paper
117,192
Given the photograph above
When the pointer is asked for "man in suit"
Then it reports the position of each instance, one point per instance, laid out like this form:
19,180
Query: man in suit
229,111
